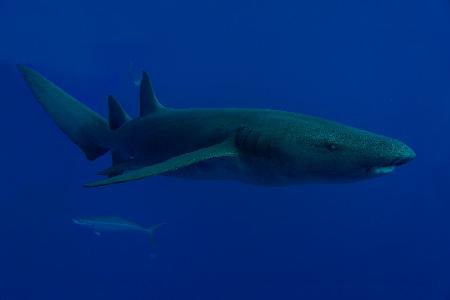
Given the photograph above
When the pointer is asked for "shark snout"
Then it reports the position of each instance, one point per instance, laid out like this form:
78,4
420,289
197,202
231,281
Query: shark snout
404,156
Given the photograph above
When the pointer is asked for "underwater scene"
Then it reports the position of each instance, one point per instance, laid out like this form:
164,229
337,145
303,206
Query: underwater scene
203,150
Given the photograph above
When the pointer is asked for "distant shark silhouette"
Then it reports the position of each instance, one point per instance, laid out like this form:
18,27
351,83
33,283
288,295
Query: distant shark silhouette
114,224
258,146
117,224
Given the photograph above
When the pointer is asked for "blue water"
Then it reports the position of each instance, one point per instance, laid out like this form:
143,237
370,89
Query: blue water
382,65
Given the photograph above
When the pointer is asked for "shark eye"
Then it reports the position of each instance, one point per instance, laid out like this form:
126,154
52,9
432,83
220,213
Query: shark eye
331,146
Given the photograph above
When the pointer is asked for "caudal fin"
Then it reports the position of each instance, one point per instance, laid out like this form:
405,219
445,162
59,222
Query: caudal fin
88,130
151,229
151,232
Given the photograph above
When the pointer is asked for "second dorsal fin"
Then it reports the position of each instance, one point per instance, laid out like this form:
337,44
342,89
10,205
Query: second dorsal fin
117,115
148,102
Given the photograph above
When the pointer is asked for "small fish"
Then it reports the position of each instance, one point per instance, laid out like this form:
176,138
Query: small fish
134,73
114,224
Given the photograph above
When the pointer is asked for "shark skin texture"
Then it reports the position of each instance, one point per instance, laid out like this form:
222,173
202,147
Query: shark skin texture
255,146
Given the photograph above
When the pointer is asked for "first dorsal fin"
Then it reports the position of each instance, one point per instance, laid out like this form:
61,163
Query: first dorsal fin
148,102
117,115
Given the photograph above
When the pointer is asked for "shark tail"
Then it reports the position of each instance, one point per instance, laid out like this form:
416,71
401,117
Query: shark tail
151,229
85,128
151,232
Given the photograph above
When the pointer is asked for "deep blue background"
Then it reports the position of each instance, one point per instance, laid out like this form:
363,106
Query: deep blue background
381,65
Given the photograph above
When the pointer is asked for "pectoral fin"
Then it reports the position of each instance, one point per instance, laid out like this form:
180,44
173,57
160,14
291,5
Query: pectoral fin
225,149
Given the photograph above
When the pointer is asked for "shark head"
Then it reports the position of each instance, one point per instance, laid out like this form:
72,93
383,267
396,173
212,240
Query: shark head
341,153
317,150
359,155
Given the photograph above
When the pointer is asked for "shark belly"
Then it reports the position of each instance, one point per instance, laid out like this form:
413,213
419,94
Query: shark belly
156,139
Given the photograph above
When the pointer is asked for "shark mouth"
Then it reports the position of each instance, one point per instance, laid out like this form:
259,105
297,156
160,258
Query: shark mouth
383,170
389,168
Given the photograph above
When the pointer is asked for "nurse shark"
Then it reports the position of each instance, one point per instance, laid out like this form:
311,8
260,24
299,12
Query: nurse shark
256,146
